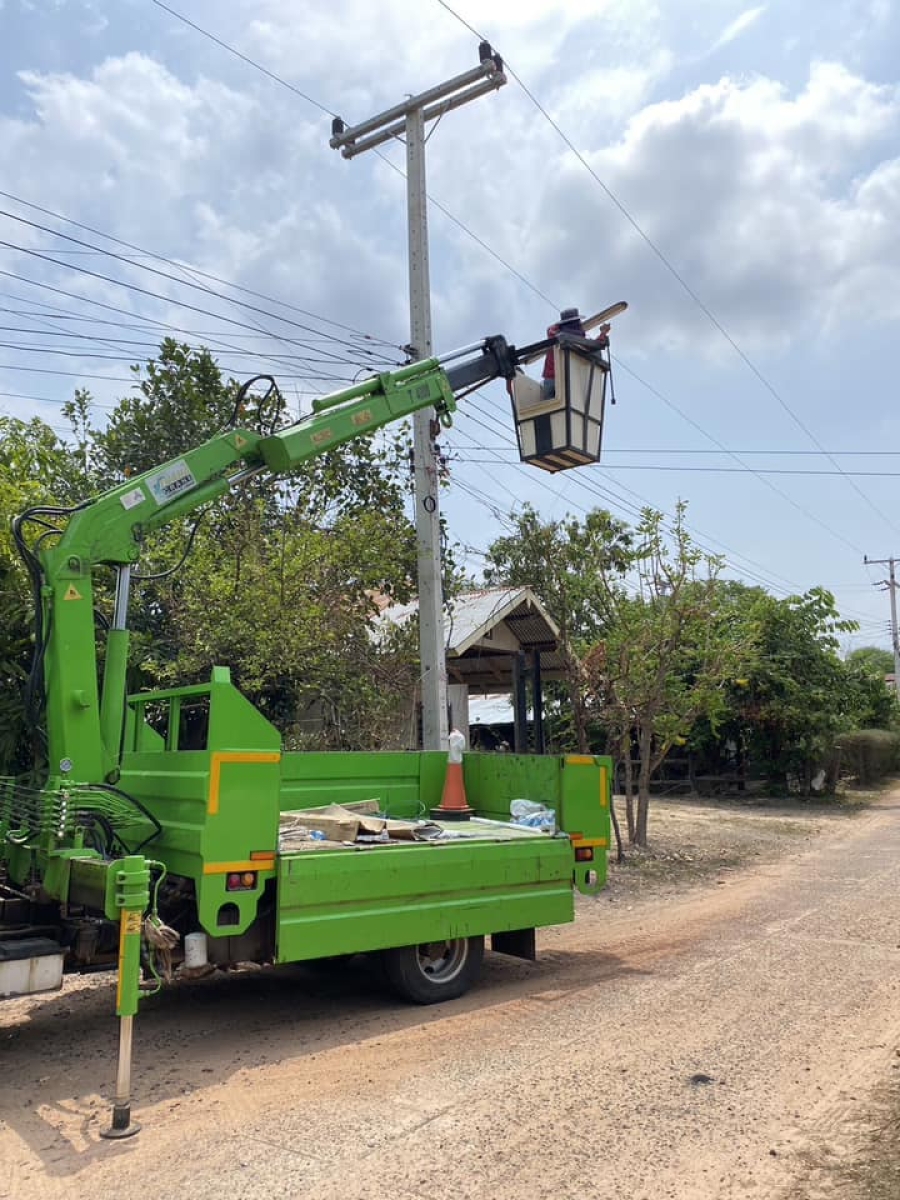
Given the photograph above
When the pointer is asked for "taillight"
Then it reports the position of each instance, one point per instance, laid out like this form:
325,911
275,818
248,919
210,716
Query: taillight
584,853
243,881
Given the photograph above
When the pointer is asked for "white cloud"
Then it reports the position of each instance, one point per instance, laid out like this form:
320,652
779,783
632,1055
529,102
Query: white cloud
204,173
738,26
771,206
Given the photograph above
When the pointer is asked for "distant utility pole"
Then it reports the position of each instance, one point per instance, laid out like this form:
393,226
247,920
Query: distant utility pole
891,584
408,119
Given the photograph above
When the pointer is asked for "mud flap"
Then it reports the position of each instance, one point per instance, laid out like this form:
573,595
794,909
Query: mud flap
519,943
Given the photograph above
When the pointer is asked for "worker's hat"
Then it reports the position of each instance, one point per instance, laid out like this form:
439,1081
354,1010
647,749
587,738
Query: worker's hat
569,314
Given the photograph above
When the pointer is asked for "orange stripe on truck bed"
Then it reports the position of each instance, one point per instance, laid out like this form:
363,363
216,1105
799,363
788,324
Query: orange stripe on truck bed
250,864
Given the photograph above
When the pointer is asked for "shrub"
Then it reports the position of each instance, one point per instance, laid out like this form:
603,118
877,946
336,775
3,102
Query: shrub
869,754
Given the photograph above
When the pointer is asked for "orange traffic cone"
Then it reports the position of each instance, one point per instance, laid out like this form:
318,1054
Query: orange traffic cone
453,806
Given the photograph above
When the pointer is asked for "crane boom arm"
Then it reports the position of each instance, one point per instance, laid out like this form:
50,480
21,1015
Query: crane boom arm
84,723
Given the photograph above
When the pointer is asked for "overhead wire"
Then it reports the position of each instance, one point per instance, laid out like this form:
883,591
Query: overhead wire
692,470
678,276
200,287
210,340
634,511
195,270
735,560
271,75
446,212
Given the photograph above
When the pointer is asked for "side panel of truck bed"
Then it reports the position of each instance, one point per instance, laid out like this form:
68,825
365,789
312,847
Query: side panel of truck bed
346,901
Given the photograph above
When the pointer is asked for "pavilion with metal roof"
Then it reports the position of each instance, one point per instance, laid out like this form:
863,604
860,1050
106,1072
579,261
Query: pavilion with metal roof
496,638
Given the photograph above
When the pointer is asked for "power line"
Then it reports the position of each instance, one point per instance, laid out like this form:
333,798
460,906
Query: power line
656,467
712,438
676,274
607,450
271,75
634,511
80,355
584,479
136,288
162,275
165,325
729,550
195,270
112,342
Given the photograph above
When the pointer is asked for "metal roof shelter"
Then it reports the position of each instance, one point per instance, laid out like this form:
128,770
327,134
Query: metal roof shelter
486,629
495,636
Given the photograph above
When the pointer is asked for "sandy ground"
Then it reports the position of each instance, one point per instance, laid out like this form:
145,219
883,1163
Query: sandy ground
719,1023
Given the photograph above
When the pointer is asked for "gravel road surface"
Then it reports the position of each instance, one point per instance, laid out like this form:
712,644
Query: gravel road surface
721,1043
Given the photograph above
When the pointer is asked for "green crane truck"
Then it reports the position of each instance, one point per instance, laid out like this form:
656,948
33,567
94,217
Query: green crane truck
172,816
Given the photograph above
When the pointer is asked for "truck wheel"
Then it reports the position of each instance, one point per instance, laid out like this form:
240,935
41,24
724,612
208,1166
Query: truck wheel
434,971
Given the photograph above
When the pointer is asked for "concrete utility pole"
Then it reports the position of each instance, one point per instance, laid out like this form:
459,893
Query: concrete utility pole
408,119
891,584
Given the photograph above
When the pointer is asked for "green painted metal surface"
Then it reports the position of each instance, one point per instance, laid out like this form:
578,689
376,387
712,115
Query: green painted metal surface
219,805
83,728
345,901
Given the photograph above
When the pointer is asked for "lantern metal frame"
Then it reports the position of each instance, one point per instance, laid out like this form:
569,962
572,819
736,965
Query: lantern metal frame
565,430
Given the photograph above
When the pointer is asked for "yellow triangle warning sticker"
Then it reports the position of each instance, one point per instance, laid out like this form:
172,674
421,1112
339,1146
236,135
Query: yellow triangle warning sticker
239,442
72,593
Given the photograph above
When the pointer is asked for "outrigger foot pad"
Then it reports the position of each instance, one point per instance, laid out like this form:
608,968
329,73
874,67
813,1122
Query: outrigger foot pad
122,1124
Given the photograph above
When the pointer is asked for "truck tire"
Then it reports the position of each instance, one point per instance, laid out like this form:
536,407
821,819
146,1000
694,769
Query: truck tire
431,972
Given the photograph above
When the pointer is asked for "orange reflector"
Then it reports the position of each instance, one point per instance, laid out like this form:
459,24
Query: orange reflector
249,879
584,853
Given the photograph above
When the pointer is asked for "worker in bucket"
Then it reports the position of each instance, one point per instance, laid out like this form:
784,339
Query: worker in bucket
569,322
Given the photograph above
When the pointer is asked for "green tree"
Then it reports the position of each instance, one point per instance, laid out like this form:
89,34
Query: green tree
279,578
873,659
35,468
180,400
798,694
291,612
569,564
669,650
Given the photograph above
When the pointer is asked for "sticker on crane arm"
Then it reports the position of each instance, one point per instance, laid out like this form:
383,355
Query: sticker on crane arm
171,481
72,593
133,498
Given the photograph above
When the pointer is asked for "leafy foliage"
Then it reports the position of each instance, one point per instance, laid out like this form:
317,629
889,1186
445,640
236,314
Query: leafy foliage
35,468
569,564
797,695
279,581
873,659
668,652
869,754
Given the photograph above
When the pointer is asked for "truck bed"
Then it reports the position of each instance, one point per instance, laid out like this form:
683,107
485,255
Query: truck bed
491,878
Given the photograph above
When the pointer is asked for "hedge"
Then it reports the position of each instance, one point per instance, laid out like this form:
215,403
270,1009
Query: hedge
869,754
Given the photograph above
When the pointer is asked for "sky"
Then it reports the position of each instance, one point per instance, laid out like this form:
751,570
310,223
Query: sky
732,172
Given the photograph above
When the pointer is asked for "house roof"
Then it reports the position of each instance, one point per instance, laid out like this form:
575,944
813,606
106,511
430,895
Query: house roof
485,629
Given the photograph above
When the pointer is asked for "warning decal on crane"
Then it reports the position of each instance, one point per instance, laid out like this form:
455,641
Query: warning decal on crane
72,593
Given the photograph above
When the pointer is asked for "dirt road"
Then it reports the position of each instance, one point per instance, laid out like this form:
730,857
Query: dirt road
722,1043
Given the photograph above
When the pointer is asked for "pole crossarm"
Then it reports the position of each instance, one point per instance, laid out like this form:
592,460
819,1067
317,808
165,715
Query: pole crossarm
433,103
